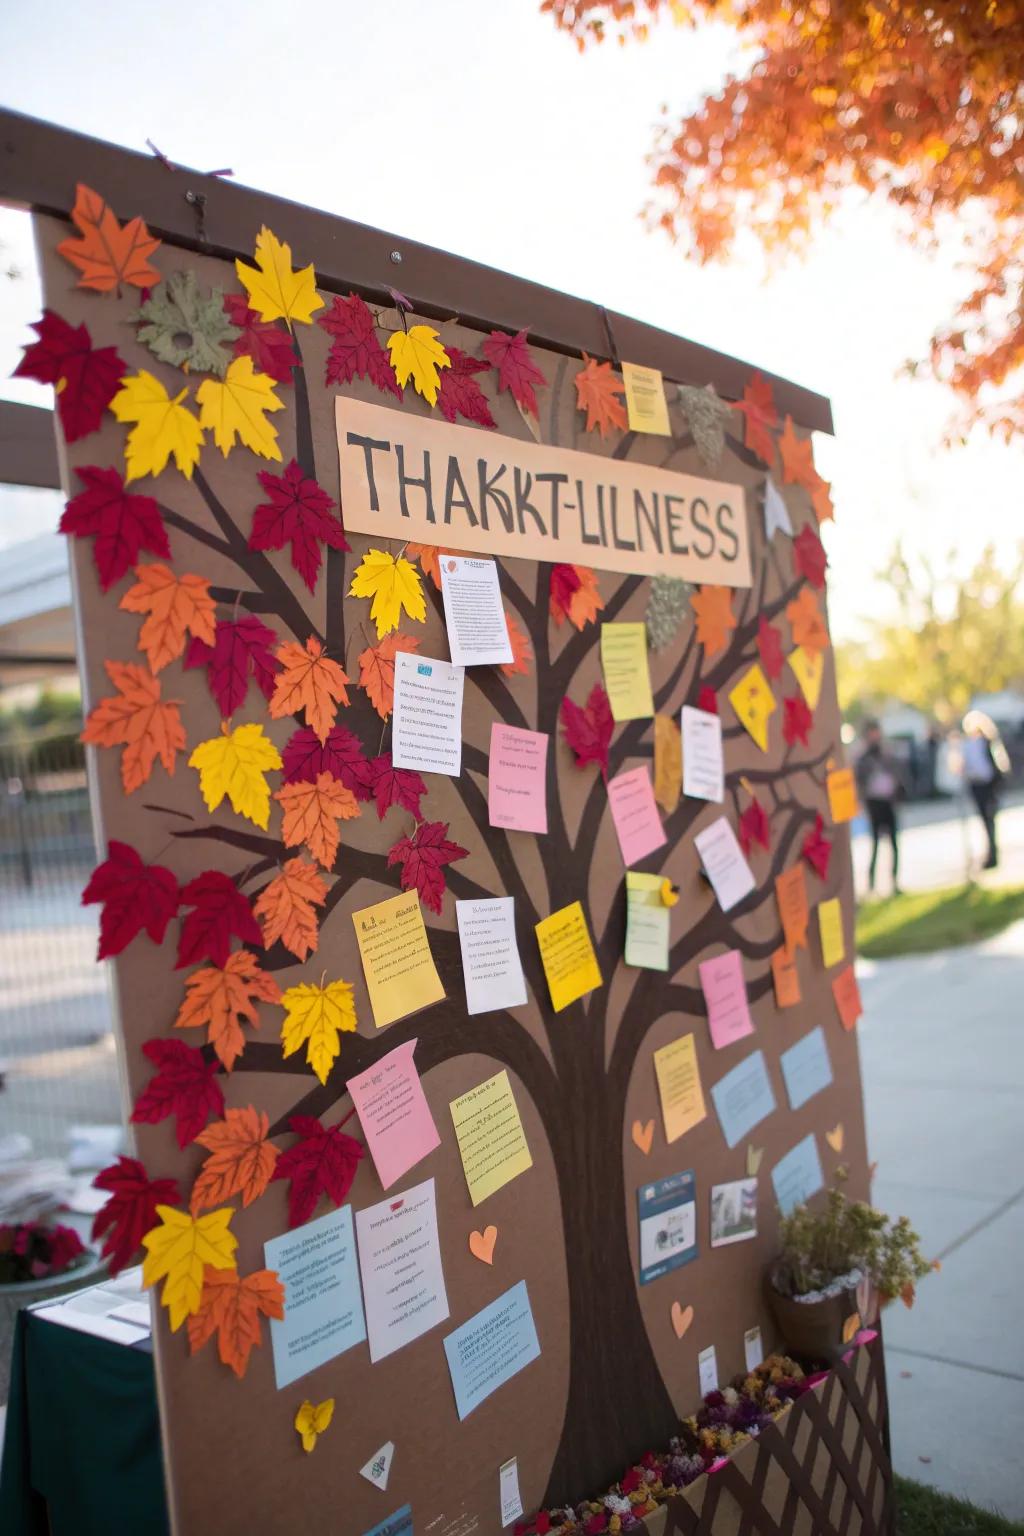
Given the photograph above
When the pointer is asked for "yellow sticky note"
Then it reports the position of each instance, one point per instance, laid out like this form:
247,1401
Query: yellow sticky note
646,406
808,669
754,703
627,677
570,964
490,1136
682,1099
842,794
400,973
830,925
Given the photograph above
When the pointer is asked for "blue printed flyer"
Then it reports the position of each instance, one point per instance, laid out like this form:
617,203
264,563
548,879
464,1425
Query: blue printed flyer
667,1211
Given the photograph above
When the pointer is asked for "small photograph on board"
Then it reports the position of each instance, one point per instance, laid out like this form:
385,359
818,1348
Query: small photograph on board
733,1212
667,1211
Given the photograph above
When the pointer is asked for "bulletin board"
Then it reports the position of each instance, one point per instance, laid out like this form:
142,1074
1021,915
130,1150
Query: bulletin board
616,1360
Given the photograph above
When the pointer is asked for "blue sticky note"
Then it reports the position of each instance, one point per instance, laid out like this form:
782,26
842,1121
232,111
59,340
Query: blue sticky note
398,1524
806,1069
667,1212
323,1304
743,1098
491,1348
798,1176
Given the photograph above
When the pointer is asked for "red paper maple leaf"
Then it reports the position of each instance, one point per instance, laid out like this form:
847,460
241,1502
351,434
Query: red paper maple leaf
517,372
565,582
121,523
754,826
396,786
707,700
809,557
305,758
87,376
356,351
797,719
131,1210
241,649
298,513
185,1086
588,731
265,342
460,394
219,910
322,1162
423,857
769,647
760,417
135,897
817,849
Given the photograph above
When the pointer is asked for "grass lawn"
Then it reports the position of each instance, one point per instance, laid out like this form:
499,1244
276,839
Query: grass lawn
923,1512
920,921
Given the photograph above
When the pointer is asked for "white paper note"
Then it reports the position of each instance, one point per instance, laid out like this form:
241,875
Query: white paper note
490,955
722,857
707,1370
753,1349
473,612
508,1491
427,721
400,1266
378,1468
703,773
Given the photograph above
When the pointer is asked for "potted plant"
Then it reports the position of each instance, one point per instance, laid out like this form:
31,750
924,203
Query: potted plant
836,1265
39,1260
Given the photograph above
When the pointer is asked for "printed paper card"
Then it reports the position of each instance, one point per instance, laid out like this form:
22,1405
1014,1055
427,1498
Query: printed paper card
491,965
703,768
323,1309
785,978
400,1266
473,612
842,794
806,1069
394,1114
722,857
725,992
508,1492
798,1175
791,895
830,927
733,1212
754,703
398,1524
635,814
707,1370
808,667
648,922
646,406
492,1143
401,977
627,677
667,1215
491,1348
743,1098
847,997
682,1099
567,954
426,726
753,1349
516,781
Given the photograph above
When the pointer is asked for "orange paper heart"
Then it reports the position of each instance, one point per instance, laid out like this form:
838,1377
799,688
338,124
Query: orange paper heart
481,1244
682,1317
835,1138
643,1136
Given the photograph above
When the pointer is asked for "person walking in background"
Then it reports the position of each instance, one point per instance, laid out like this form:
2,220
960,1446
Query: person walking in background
984,766
880,786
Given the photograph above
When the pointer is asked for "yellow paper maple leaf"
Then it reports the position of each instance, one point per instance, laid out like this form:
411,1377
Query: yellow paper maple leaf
393,585
234,764
238,404
276,291
418,354
164,426
314,1017
312,1419
178,1251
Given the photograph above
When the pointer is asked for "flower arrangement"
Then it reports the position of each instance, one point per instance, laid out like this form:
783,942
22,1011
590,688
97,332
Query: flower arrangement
35,1250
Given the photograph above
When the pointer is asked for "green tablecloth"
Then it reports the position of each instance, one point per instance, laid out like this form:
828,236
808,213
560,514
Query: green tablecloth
82,1439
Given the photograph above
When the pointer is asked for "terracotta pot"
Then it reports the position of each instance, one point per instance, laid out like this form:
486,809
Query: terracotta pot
813,1330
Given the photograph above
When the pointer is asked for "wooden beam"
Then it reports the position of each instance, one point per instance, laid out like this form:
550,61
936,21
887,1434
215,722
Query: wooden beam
28,449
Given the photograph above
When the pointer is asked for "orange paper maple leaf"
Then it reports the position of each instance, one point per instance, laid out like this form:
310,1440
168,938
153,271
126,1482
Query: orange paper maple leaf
137,718
821,499
428,556
807,621
174,606
241,1160
377,670
105,254
231,1307
312,813
522,655
220,998
758,411
308,680
712,609
599,392
585,602
797,455
286,907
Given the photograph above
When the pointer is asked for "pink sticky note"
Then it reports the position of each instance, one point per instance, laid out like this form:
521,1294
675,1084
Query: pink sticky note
635,814
725,993
516,797
394,1114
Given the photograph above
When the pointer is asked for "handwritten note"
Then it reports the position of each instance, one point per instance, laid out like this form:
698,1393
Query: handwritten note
567,954
847,997
635,814
647,922
627,677
725,993
703,769
830,927
490,955
743,1098
791,895
394,1114
323,1310
798,1175
509,1497
842,794
806,1069
400,1266
722,857
490,1134
785,978
400,973
426,727
473,612
517,766
682,1100
753,1349
491,1348
707,1370
646,406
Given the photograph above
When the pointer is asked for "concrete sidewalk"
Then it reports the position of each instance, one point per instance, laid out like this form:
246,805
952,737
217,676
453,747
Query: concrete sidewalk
942,1048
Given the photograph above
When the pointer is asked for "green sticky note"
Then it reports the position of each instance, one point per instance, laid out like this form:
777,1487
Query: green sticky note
647,922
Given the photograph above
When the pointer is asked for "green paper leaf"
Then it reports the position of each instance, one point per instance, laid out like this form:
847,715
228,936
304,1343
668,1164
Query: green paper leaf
183,328
667,607
706,415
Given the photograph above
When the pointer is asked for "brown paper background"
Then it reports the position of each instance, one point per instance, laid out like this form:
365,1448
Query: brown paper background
234,1462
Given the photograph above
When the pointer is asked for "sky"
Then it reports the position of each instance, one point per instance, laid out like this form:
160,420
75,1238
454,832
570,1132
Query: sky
480,129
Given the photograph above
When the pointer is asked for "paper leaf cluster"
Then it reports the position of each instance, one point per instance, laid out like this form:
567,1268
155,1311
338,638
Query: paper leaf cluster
220,999
588,731
137,718
185,328
418,354
600,393
121,523
175,606
163,427
299,514
377,670
356,350
712,610
395,587
276,290
130,1211
178,1252
517,371
460,394
219,913
232,1306
136,898
311,813
242,651
241,1160
706,415
309,683
237,406
323,1161
341,754
574,595
267,344
85,378
316,1017
184,1085
423,857
107,255
234,765
668,603
286,907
